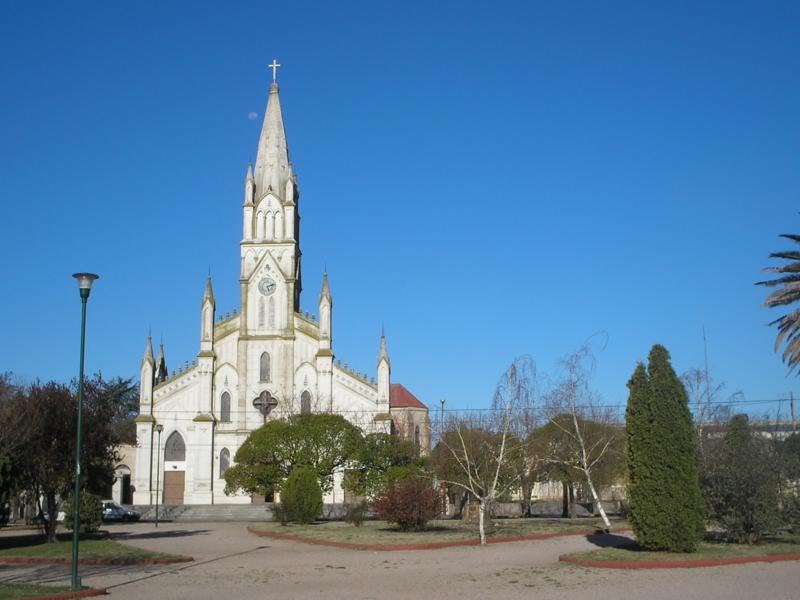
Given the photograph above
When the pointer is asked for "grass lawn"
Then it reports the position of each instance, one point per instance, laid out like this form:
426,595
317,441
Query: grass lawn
89,549
26,590
381,532
781,544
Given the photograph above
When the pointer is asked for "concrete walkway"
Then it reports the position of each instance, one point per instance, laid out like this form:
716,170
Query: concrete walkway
233,564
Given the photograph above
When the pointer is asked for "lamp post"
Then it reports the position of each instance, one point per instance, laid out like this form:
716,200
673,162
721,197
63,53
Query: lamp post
85,281
441,418
159,429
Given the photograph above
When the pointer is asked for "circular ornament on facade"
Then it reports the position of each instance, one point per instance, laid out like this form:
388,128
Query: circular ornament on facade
267,286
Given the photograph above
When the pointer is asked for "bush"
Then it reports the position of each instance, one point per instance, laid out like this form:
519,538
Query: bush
666,508
91,515
739,482
409,503
301,496
279,513
357,513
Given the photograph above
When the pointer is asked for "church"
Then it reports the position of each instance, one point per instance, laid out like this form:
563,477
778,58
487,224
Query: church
265,361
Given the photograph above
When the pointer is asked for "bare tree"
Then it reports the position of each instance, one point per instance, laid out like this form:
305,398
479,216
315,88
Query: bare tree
590,437
475,453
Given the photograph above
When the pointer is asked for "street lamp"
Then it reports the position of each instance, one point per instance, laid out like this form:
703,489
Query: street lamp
159,429
85,281
441,418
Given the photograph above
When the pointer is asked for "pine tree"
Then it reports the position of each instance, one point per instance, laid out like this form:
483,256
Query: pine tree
664,490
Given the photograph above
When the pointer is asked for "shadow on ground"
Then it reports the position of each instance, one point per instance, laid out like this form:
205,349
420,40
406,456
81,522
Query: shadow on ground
611,540
158,535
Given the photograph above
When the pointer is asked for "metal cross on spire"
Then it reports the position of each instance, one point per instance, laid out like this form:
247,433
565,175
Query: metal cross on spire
274,66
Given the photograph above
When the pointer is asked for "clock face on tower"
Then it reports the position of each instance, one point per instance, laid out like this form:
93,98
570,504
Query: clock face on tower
266,286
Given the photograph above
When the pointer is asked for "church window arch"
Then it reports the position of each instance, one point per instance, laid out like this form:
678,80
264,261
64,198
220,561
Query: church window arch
224,461
225,408
260,225
271,319
269,225
278,225
261,312
305,402
416,436
272,226
175,448
264,367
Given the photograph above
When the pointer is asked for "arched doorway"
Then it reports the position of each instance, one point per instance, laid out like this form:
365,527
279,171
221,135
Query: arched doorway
174,469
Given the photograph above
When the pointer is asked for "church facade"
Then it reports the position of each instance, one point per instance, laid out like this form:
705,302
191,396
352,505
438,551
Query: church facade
265,361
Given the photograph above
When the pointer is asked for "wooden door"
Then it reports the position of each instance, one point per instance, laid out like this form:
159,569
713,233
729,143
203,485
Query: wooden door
173,486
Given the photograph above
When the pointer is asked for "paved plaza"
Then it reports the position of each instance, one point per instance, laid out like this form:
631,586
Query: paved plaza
231,563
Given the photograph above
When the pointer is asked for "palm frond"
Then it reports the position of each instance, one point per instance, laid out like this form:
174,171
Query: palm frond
791,236
787,279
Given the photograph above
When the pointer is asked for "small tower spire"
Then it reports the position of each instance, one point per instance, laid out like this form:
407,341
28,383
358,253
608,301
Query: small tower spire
161,372
148,351
384,372
326,288
209,293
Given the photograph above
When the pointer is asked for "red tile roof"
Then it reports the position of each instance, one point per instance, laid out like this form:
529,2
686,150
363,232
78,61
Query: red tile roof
400,397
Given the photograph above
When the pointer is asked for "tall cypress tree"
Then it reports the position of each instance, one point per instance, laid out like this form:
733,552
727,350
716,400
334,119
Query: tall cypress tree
664,490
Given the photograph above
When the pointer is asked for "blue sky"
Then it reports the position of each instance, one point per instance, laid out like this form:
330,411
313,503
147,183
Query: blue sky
485,179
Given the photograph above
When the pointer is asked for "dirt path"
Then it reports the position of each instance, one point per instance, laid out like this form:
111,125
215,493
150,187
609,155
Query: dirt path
232,564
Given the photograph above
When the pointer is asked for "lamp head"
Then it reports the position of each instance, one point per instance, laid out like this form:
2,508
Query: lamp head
85,281
159,428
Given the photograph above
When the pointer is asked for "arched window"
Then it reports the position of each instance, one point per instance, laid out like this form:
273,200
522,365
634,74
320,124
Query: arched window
305,402
174,449
271,319
224,461
260,226
416,436
392,427
261,312
272,228
264,367
225,408
278,226
270,225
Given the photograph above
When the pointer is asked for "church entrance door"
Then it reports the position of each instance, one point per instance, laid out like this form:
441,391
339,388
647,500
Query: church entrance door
174,482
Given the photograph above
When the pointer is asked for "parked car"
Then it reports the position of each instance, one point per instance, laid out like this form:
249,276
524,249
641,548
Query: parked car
114,512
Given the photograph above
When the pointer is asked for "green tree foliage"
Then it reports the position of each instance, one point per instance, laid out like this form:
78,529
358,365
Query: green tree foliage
787,293
740,483
44,460
91,513
560,457
788,453
379,461
409,503
322,442
665,502
301,495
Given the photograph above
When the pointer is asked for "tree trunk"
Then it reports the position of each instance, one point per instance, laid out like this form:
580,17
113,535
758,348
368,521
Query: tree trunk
464,498
597,501
481,511
572,509
527,490
564,500
52,513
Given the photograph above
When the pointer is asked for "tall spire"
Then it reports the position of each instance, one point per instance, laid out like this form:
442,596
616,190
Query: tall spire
161,373
273,168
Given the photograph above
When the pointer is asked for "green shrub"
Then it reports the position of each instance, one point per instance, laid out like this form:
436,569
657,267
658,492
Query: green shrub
666,508
279,513
357,513
740,484
91,514
301,496
410,503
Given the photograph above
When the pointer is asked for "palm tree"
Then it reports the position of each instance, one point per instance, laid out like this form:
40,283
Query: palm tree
788,292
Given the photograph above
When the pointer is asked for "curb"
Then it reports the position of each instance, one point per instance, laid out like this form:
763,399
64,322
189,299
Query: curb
39,560
677,564
67,595
400,547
